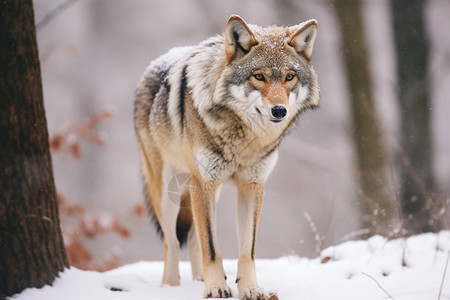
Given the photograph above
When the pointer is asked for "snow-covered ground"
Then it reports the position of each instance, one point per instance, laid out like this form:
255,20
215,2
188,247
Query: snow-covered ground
375,269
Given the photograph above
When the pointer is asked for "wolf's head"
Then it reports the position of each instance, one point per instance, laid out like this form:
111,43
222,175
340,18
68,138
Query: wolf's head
268,69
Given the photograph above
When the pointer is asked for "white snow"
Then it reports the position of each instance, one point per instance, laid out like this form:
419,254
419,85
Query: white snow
375,269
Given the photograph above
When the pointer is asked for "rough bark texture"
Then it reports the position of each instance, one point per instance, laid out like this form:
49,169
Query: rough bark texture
376,204
412,61
31,245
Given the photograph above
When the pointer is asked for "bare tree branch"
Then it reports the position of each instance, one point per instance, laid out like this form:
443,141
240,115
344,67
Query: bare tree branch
54,13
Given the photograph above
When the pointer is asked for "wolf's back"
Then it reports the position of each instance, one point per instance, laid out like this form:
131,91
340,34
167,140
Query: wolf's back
152,96
156,76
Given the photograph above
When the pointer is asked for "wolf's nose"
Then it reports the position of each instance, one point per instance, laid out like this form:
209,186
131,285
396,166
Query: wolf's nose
279,112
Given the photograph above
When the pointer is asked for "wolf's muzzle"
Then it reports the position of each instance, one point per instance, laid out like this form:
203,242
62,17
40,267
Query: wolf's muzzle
278,113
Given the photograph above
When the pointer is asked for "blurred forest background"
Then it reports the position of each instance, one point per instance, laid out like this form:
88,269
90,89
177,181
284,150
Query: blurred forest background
373,159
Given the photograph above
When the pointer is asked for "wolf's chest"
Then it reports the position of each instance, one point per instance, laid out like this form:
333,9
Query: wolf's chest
242,162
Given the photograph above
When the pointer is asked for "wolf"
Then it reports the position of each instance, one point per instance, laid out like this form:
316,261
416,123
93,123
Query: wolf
217,112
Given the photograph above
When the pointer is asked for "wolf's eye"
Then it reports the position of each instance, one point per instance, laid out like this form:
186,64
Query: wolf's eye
259,77
289,77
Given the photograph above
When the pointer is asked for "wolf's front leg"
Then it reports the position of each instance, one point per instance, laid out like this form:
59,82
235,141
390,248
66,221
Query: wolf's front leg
203,204
250,200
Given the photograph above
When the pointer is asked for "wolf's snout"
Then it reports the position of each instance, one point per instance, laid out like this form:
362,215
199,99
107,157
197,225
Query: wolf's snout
279,112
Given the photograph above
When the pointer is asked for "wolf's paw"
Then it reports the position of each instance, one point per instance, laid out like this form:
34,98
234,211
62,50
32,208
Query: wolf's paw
218,292
257,294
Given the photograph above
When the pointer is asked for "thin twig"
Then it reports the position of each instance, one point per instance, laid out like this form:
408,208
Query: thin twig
355,234
405,244
314,230
443,276
446,214
54,13
379,285
397,205
330,217
420,183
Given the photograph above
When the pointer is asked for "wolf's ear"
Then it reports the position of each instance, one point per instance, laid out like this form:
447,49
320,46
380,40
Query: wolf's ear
302,37
239,39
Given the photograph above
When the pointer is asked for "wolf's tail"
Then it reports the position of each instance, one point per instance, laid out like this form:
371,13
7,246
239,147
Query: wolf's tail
184,219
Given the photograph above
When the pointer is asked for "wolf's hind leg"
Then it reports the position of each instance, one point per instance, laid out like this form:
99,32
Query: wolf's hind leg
169,214
156,178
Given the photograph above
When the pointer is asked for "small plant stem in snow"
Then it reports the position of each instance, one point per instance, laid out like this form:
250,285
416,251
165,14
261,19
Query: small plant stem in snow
379,285
443,276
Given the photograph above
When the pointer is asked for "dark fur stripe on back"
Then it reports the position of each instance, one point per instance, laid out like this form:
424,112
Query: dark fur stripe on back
164,79
183,86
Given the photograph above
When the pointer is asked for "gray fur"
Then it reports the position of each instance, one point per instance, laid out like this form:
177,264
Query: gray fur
199,110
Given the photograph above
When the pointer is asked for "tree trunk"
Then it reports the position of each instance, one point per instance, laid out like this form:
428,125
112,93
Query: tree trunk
31,245
412,60
376,204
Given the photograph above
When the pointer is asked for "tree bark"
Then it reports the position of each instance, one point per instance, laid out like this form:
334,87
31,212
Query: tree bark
31,244
375,201
412,61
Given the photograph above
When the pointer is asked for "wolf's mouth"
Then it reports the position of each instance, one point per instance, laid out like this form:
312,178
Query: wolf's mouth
276,120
